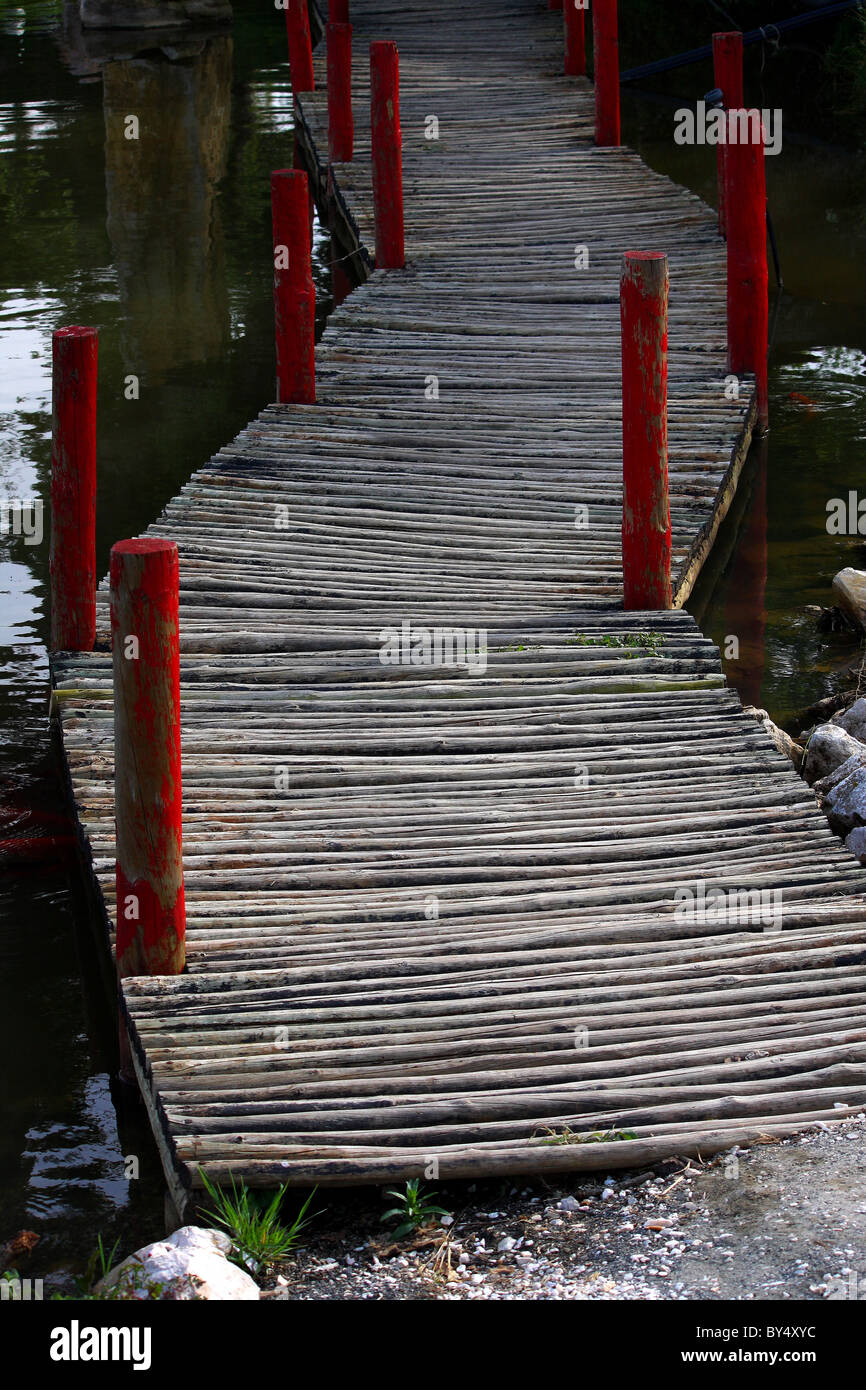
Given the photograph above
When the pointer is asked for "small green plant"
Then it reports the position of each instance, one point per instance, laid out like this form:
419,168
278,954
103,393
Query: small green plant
414,1209
649,642
258,1238
99,1262
597,1136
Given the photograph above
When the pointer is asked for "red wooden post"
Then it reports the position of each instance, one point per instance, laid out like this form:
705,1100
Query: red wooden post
728,77
574,18
605,48
300,46
72,562
646,522
294,292
746,214
387,154
341,129
147,784
338,11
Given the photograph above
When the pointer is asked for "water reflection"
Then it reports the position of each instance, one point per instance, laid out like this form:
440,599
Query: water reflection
164,213
165,245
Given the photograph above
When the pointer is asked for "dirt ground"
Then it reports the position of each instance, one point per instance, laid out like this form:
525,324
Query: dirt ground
783,1221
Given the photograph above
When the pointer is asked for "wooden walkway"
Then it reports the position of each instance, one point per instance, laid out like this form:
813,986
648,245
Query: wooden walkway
434,916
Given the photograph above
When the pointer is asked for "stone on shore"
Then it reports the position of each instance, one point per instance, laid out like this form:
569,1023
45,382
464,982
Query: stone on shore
151,14
853,720
842,794
849,587
828,748
190,1264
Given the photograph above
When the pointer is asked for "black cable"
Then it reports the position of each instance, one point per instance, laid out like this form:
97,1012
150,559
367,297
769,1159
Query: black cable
771,32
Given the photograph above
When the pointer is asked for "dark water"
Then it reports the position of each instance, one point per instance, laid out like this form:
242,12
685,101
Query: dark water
165,245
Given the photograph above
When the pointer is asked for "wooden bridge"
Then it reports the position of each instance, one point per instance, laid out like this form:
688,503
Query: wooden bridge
438,918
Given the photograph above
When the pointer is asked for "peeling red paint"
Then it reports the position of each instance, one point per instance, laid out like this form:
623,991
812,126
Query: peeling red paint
300,46
73,490
748,310
387,154
341,128
294,292
574,20
605,71
646,527
148,793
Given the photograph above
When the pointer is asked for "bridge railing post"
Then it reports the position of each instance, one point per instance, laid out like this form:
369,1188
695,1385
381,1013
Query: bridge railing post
341,128
387,154
300,46
72,562
151,920
574,24
728,77
748,278
605,74
646,524
338,11
294,291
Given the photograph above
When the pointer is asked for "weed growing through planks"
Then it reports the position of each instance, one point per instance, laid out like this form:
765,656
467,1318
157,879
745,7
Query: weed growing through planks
415,1208
649,642
598,1136
258,1238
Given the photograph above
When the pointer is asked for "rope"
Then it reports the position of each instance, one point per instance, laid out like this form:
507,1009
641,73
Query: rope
768,33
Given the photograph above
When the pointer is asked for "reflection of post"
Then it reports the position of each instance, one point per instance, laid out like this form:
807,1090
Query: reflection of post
166,140
745,603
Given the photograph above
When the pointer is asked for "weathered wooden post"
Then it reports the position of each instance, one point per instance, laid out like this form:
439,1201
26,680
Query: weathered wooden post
387,154
341,129
605,48
748,278
147,781
294,291
646,522
728,77
574,21
338,11
300,46
72,563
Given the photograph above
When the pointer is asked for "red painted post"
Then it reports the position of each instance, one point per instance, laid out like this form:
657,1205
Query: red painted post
294,292
605,48
338,11
646,522
728,77
387,154
300,46
574,19
746,214
341,129
72,562
147,781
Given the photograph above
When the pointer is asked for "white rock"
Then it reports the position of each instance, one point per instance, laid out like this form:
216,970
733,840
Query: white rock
190,1264
828,748
843,796
569,1204
853,720
507,1243
849,588
856,843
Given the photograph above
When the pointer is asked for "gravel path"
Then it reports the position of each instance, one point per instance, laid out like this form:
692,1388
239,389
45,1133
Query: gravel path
778,1221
